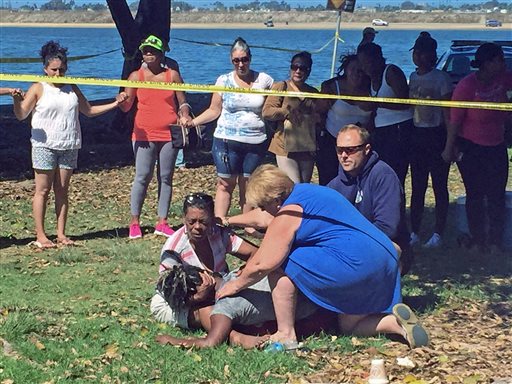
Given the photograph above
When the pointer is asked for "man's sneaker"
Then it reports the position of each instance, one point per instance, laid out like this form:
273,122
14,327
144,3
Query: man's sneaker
135,231
163,229
415,239
434,242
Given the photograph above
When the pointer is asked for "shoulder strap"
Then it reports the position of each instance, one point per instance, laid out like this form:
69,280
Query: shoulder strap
141,74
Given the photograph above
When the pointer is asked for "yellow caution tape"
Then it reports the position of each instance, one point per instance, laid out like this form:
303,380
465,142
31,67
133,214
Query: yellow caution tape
265,92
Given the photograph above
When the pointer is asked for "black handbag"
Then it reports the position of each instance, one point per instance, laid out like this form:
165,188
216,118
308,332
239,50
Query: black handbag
179,136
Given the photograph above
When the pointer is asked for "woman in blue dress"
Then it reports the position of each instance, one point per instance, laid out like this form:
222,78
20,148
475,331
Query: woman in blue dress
321,245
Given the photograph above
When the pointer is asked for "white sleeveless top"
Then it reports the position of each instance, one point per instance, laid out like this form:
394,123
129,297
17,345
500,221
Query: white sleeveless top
342,113
55,122
384,116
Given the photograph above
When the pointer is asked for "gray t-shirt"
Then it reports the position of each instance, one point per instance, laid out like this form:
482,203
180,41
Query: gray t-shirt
254,305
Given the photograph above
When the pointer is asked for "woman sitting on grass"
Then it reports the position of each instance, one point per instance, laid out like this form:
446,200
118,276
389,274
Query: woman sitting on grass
199,243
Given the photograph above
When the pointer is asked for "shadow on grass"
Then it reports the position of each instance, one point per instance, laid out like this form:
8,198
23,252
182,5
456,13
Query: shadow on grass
451,269
6,242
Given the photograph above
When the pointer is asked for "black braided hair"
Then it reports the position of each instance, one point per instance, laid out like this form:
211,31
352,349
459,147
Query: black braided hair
179,283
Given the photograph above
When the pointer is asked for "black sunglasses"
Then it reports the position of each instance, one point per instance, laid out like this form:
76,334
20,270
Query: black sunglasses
198,197
349,150
238,60
303,68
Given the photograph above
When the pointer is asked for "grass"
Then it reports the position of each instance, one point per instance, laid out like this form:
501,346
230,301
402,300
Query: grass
81,314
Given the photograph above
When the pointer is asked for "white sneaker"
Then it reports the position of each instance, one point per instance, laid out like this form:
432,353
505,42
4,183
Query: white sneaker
434,242
415,239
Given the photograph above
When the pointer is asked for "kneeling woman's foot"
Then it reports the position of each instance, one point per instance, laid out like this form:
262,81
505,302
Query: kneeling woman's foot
415,334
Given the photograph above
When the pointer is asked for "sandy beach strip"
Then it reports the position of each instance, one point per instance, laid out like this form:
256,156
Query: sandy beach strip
290,26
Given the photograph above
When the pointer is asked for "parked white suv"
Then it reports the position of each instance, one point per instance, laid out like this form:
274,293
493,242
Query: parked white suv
456,61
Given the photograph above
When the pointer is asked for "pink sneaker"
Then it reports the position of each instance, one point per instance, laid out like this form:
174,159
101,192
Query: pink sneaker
163,229
135,231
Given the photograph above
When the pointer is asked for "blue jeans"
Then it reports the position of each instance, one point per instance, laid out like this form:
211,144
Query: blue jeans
233,158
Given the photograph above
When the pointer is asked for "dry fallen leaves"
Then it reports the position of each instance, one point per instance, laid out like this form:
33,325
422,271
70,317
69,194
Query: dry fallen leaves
470,345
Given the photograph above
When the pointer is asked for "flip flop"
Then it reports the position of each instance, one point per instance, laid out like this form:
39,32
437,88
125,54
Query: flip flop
66,241
416,335
43,245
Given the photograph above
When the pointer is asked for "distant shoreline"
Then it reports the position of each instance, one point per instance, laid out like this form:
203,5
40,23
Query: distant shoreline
290,26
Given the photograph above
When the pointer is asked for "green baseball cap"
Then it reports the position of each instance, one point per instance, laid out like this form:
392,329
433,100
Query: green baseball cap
152,41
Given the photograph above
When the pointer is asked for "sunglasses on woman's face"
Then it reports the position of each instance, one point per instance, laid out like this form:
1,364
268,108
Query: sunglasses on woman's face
194,198
243,60
296,67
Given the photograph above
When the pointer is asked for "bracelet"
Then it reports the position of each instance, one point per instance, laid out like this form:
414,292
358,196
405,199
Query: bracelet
225,222
184,105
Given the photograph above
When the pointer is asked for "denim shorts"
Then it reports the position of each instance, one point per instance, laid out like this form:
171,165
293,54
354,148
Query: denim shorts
233,158
47,159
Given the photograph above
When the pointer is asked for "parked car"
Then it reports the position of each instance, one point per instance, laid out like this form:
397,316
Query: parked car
456,60
492,23
380,23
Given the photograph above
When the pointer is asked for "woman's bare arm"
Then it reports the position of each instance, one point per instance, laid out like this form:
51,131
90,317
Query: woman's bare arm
211,113
24,105
95,110
273,251
221,327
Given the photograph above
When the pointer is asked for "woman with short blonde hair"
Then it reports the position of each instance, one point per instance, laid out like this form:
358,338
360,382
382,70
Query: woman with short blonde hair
266,184
319,244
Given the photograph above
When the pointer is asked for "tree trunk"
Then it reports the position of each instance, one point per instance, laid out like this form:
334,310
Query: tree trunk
153,18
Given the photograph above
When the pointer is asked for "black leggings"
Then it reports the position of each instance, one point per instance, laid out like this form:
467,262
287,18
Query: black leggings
327,161
427,145
392,143
484,172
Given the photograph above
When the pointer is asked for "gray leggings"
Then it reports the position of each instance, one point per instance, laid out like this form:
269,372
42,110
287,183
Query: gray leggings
147,153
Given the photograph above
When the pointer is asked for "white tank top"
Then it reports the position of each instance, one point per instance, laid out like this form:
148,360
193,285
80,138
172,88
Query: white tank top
55,122
342,113
384,116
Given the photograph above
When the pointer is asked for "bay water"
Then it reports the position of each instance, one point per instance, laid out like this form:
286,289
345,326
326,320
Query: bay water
202,64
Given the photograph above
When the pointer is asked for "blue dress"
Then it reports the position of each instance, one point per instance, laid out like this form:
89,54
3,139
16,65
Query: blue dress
338,259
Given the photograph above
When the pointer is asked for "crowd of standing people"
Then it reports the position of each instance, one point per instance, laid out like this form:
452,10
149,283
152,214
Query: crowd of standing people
342,244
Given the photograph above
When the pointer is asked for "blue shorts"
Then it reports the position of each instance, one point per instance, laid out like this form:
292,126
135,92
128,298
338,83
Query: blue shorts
47,159
233,158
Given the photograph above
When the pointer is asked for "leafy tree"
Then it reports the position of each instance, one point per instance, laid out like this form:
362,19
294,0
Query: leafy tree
407,5
93,6
182,6
57,5
218,6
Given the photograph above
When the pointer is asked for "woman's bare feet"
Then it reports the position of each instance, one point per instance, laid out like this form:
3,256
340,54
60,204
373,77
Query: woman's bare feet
284,338
44,243
65,241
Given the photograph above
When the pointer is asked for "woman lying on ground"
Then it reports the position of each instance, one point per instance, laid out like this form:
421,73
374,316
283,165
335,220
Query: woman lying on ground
190,293
319,244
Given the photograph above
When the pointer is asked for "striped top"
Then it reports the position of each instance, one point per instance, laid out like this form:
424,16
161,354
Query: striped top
222,241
